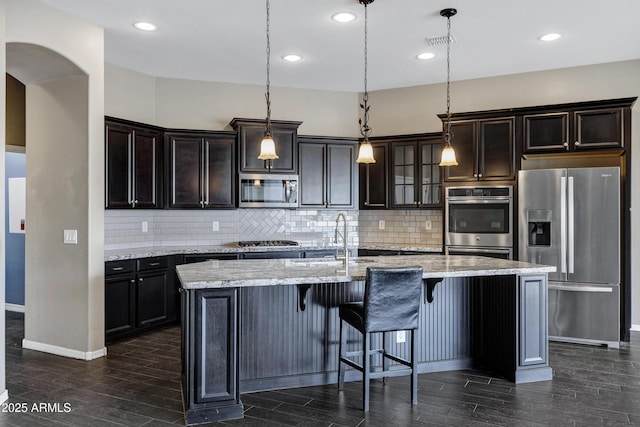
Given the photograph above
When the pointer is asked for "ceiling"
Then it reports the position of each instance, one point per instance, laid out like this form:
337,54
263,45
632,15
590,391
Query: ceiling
225,41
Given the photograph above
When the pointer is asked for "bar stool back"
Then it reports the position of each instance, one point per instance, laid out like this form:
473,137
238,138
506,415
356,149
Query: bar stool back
391,303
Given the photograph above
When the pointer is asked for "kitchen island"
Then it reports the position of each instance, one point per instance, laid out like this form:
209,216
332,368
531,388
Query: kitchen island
253,325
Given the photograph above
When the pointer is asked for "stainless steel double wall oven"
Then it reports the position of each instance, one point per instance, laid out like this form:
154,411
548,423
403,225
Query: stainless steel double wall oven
479,221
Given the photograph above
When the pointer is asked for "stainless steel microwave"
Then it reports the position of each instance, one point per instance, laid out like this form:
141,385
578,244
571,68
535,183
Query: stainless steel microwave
268,191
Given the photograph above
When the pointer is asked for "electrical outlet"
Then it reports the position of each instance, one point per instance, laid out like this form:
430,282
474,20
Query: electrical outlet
145,226
215,226
381,224
71,237
401,336
427,225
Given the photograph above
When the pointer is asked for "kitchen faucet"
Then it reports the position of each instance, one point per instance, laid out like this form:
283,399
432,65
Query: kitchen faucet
344,235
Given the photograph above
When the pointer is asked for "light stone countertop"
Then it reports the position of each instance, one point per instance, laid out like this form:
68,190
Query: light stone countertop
271,272
153,251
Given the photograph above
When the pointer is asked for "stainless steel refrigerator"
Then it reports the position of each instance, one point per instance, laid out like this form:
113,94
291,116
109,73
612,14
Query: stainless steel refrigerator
570,218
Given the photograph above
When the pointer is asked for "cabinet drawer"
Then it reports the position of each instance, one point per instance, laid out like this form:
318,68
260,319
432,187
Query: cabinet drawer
119,267
153,263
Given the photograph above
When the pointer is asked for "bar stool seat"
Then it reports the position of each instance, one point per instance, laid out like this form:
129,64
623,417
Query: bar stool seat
391,303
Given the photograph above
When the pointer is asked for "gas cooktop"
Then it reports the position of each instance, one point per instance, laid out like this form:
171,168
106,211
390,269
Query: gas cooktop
256,243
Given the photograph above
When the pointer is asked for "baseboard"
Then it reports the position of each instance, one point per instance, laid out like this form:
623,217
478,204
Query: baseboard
14,307
4,396
635,328
62,351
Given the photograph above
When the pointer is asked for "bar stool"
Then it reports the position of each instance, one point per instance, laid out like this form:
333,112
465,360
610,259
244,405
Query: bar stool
391,303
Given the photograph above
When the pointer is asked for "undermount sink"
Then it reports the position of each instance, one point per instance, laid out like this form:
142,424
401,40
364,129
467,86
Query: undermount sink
328,261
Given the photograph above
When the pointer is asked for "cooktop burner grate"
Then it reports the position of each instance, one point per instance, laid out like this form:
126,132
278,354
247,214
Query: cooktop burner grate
256,243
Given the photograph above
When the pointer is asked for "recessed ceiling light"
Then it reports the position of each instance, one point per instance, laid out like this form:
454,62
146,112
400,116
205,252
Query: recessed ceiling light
292,57
426,55
550,37
343,17
145,26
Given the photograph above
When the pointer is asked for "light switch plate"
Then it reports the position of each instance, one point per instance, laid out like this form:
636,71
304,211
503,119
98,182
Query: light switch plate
427,225
401,336
71,237
145,226
215,226
381,224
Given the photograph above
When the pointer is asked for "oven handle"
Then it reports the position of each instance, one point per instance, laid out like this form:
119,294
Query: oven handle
475,201
482,250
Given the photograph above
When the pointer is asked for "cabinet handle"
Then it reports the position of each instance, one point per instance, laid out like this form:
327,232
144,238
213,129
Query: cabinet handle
577,143
153,264
117,268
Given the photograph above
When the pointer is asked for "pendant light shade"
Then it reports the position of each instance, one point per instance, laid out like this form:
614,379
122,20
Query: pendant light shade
268,146
365,153
448,157
448,154
268,149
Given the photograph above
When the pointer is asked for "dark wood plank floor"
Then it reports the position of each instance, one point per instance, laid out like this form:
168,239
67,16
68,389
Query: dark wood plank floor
138,384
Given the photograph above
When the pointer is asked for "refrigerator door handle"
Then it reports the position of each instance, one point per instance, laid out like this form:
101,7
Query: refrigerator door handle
563,225
571,231
574,288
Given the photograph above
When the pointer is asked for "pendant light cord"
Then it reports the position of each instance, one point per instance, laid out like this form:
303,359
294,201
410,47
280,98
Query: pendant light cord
267,131
365,130
448,135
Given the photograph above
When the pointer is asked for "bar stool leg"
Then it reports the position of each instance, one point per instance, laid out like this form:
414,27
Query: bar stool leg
366,356
342,346
414,368
386,338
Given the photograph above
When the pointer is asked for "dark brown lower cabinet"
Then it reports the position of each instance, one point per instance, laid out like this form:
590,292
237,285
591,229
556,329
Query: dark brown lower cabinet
140,295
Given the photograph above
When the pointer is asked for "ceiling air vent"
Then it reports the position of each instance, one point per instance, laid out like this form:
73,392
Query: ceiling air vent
439,40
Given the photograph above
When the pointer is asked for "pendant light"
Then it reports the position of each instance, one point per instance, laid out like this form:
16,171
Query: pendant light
267,146
365,153
448,155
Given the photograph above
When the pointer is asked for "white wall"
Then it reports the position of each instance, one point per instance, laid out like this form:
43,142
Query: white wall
65,172
190,104
3,95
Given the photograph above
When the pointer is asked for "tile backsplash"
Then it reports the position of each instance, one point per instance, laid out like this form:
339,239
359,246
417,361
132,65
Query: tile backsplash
401,228
124,228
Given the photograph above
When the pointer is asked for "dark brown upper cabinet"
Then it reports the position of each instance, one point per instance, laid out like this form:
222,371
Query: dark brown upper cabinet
485,150
250,134
327,172
133,165
202,171
374,178
415,174
573,131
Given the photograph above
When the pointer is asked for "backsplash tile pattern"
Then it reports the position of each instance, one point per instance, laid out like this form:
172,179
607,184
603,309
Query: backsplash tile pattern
123,228
401,228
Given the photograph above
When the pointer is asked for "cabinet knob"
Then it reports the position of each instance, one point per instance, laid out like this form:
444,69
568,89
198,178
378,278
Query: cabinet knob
480,175
565,145
475,175
206,203
366,203
133,280
577,143
141,279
